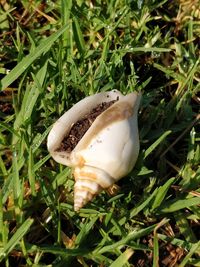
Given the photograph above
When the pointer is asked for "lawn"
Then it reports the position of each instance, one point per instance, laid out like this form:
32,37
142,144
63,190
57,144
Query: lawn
55,53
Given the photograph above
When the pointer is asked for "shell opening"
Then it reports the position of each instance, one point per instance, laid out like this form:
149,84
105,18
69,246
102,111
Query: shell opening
80,127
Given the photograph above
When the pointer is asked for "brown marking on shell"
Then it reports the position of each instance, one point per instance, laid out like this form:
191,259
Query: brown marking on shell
117,112
88,189
82,175
106,182
81,161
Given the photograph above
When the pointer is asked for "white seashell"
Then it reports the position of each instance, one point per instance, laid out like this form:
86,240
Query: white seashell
107,151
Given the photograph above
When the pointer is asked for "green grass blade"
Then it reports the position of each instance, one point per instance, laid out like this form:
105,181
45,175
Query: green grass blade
155,251
78,36
1,218
194,262
30,98
57,250
156,243
31,173
9,128
175,241
29,59
16,181
7,187
39,138
161,193
179,204
15,239
156,143
124,241
122,259
65,19
184,227
136,210
3,167
195,247
85,230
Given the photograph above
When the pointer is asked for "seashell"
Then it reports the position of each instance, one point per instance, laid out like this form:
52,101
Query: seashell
107,151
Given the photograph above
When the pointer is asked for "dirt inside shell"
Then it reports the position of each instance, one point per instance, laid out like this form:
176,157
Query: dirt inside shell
79,128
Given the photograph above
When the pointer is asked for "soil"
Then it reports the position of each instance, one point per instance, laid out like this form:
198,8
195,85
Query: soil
81,126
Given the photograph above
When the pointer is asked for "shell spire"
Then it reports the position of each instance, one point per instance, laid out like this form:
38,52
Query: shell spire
89,182
106,151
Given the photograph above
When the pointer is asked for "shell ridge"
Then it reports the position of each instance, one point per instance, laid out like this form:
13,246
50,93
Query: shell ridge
94,174
89,181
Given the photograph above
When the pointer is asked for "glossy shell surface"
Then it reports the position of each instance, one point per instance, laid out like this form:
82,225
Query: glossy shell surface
108,150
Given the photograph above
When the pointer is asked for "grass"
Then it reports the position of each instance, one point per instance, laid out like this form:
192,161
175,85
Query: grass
55,53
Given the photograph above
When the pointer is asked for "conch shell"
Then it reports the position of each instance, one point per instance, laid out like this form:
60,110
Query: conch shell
107,151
